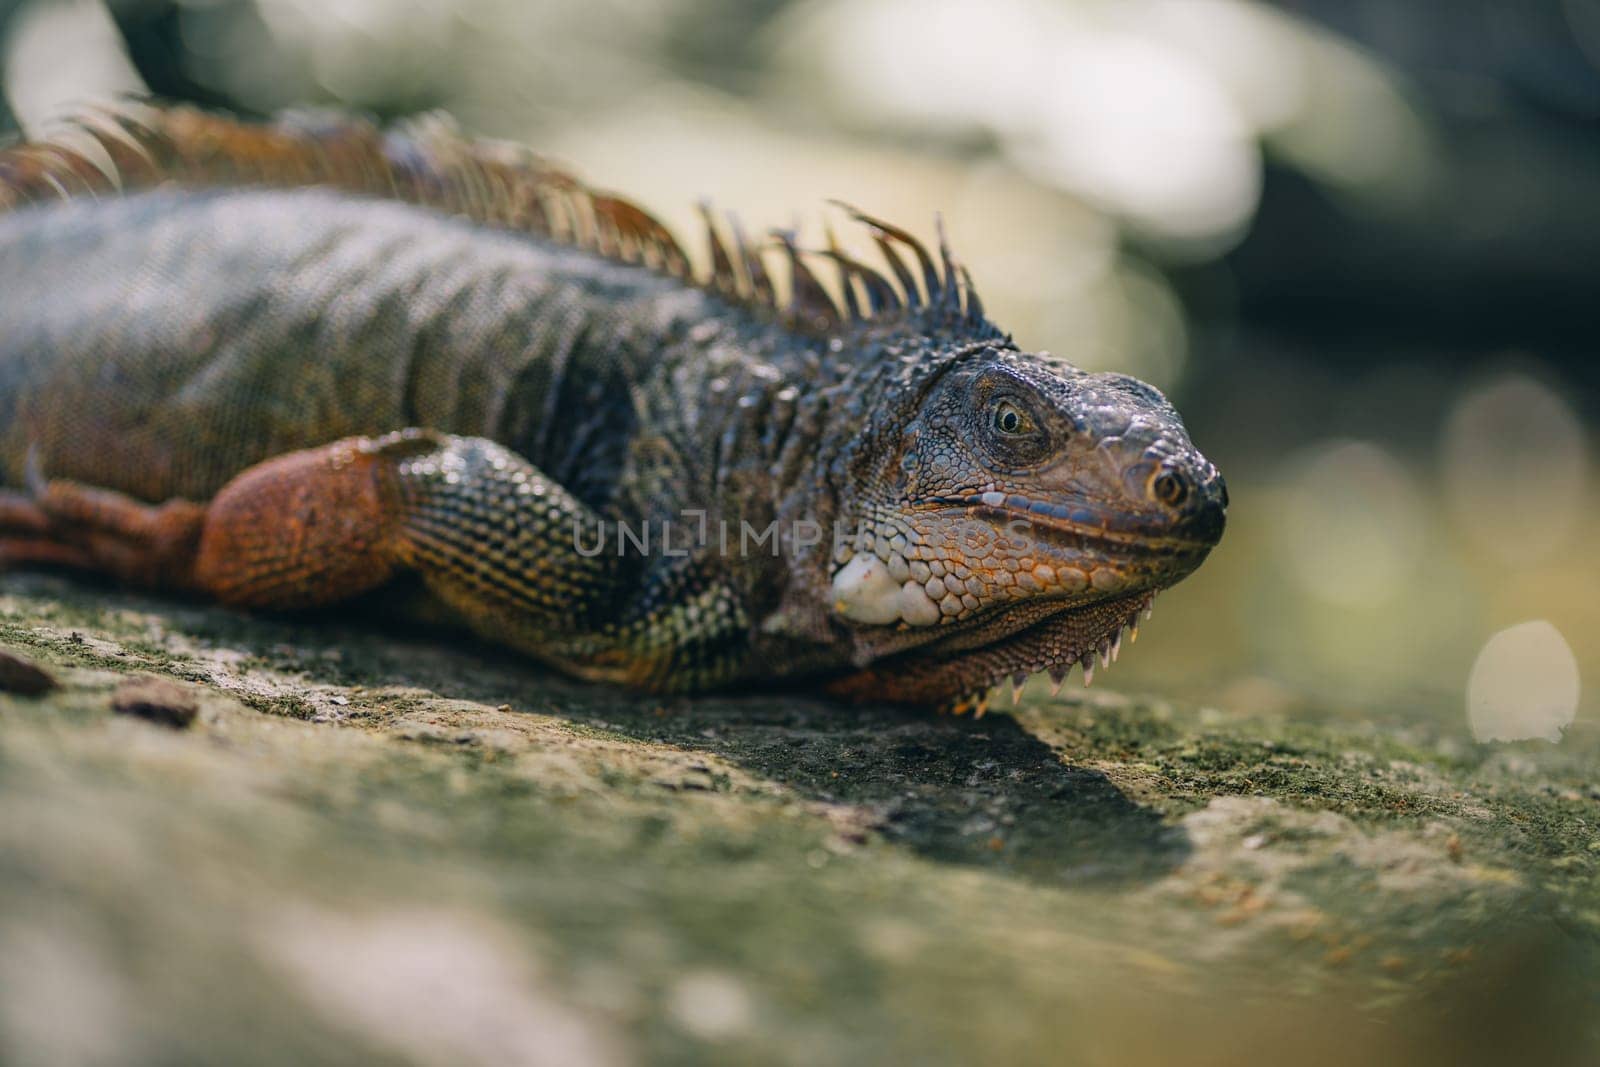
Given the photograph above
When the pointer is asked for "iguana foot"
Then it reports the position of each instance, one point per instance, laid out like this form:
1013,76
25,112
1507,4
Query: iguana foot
63,523
24,531
25,536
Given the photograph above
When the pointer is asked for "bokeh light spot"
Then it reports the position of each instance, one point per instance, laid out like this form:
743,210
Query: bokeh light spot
1514,468
1352,527
63,54
1523,685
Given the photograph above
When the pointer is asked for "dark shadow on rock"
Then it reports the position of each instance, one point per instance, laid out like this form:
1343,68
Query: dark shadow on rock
983,792
980,792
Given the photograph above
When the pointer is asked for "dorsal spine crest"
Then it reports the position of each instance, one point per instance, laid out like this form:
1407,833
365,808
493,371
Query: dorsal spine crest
429,162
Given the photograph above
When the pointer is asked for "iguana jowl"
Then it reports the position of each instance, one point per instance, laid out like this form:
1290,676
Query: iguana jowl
281,366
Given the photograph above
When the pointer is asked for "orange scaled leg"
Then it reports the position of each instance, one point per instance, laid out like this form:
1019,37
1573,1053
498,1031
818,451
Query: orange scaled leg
299,530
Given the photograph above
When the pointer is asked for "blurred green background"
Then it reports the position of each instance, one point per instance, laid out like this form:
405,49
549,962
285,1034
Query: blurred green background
1356,241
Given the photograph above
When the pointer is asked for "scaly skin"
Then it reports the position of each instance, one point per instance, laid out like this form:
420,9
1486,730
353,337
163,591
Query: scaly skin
282,366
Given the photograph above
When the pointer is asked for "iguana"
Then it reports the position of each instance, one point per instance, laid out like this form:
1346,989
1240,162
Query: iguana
285,365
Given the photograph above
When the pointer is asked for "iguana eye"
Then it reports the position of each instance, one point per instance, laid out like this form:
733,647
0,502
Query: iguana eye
1006,426
1011,420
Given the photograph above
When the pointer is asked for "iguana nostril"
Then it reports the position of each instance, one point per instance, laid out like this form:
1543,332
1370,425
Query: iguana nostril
1171,488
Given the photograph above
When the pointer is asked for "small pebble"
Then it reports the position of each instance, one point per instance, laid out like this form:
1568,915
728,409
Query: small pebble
22,677
156,700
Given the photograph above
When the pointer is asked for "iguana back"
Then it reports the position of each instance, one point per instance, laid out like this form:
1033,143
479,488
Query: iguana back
161,343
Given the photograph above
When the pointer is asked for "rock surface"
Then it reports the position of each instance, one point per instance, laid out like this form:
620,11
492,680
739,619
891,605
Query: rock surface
376,846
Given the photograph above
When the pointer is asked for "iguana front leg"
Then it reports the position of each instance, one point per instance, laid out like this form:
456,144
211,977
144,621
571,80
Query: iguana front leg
489,534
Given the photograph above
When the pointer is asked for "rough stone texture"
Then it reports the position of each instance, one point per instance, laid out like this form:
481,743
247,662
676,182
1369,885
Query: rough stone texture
378,846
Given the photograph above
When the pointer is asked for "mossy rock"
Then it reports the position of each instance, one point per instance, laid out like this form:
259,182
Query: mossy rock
375,846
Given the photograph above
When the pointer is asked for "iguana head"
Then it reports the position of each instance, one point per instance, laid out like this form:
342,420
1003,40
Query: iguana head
1008,514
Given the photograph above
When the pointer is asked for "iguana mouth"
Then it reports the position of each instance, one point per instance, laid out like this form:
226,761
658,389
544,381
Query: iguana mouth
1083,522
959,670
